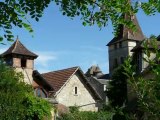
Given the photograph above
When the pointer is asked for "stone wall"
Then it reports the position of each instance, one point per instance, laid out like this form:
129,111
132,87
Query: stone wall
27,71
83,98
119,52
27,74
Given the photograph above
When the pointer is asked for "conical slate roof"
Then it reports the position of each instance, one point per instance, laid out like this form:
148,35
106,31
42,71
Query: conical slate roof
18,48
128,34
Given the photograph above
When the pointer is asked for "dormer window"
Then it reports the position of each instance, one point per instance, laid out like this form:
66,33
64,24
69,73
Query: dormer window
23,63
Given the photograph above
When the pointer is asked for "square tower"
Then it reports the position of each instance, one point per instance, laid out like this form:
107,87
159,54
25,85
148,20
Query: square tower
19,57
120,46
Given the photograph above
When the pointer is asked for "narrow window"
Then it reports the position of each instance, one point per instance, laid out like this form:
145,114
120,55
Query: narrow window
115,62
38,92
75,91
122,60
23,62
115,46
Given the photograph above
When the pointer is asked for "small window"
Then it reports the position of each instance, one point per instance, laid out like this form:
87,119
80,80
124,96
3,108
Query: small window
120,45
115,62
9,62
40,93
23,62
75,90
115,46
122,60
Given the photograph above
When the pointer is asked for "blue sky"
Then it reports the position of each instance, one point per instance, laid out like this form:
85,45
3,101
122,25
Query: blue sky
61,42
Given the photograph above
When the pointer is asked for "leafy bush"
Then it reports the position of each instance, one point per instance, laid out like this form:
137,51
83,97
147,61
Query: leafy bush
17,100
87,115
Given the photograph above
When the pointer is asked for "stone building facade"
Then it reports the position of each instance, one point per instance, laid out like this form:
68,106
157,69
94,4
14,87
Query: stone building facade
76,93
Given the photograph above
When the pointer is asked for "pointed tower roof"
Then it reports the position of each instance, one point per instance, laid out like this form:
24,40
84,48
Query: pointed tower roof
18,48
127,34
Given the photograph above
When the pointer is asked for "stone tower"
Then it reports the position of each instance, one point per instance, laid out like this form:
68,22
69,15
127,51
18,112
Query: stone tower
120,46
19,57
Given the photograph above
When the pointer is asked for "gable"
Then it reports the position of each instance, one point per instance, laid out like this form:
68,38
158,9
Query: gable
78,78
76,92
59,79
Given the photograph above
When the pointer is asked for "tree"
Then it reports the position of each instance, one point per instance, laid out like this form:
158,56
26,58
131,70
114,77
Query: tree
17,98
117,92
100,12
17,13
147,89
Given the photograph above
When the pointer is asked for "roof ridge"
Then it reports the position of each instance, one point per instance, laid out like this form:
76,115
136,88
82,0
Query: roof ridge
77,67
16,42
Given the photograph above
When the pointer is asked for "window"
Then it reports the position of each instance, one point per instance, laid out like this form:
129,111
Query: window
40,93
75,90
115,46
115,62
122,60
9,62
120,44
23,62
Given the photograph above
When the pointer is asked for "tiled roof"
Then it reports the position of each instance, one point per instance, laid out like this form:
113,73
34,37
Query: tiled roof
18,48
40,81
58,78
128,34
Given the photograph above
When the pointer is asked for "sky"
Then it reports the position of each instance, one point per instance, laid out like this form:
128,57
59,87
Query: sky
62,42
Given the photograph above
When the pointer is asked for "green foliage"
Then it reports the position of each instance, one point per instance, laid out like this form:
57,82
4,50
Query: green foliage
117,92
37,108
100,12
84,115
17,99
73,109
147,89
17,13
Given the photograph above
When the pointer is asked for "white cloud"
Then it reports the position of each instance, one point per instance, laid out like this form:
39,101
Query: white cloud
44,58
